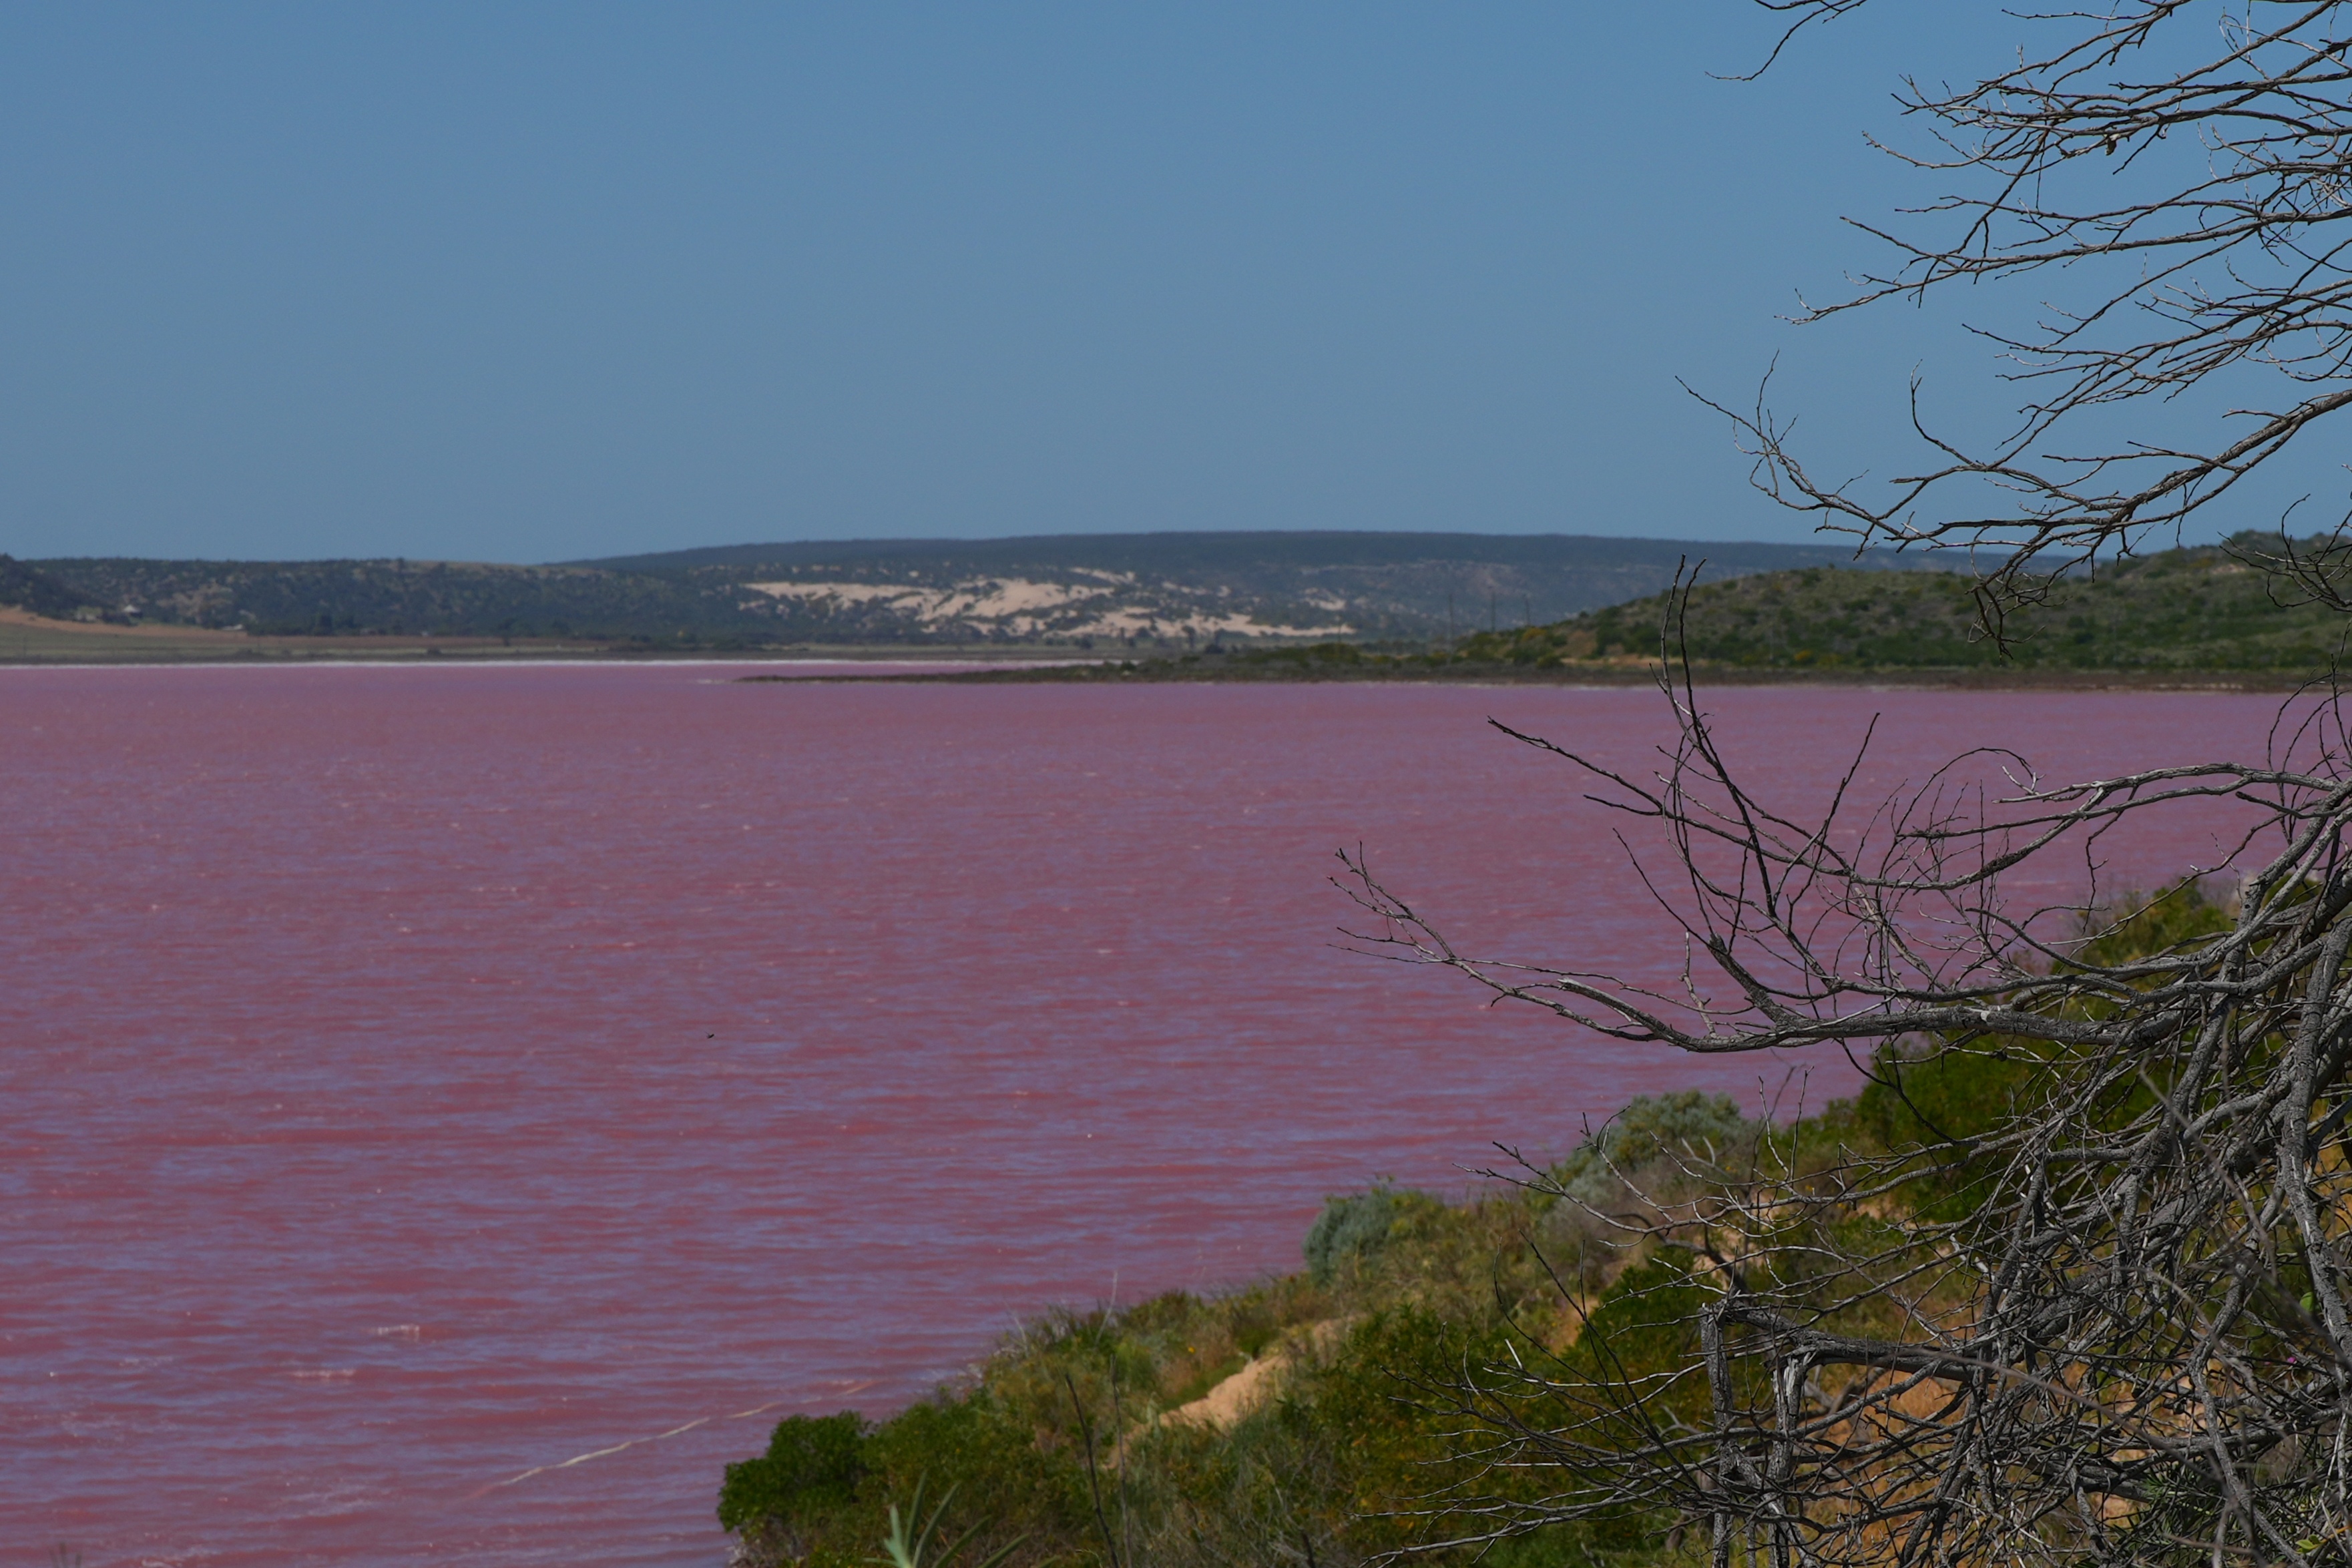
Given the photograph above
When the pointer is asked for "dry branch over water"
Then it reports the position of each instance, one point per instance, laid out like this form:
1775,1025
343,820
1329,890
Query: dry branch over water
2071,1282
2066,1283
2080,1295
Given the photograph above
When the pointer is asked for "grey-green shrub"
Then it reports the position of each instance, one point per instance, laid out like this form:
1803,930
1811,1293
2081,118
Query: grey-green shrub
1352,1225
1689,1127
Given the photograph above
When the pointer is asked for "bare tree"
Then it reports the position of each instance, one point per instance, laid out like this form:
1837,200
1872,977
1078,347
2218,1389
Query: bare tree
2188,162
2131,1340
2112,1320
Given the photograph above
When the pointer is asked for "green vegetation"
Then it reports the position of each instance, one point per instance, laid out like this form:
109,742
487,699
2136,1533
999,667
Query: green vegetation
28,588
2182,610
1384,1394
1080,1438
2179,612
344,597
916,1541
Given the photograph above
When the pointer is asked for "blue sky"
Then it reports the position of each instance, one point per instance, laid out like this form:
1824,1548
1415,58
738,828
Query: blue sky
525,282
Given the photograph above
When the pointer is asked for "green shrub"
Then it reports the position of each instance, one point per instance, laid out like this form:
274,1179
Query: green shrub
2182,916
1353,1227
812,1468
1704,1132
973,1444
916,1541
1932,1096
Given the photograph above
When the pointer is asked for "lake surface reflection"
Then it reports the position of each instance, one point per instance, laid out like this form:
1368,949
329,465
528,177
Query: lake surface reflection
417,1079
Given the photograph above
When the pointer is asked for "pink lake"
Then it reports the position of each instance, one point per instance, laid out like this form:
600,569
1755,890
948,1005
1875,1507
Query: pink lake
448,1114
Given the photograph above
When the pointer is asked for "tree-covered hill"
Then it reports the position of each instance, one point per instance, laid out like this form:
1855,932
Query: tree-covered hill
28,588
2193,611
326,596
1239,585
2196,609
2189,611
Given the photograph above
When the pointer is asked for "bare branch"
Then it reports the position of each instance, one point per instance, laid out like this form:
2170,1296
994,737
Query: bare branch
2196,195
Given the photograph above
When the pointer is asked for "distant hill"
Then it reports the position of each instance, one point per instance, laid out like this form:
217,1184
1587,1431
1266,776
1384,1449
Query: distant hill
1286,605
1127,589
2194,609
2191,611
1149,589
24,586
1395,586
327,597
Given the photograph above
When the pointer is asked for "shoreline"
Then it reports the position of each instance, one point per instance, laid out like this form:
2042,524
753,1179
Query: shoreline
30,642
1614,675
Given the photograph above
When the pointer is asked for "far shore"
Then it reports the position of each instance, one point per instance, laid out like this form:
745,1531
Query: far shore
1199,669
27,639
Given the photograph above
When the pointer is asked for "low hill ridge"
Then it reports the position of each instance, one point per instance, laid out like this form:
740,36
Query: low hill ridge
27,587
2198,608
1147,590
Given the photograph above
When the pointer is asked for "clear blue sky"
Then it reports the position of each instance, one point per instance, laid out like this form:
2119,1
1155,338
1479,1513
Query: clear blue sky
534,282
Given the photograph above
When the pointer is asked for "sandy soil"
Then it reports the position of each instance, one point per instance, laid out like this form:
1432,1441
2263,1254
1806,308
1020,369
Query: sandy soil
1028,609
1252,1385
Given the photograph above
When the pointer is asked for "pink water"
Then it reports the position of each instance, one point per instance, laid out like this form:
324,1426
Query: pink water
414,1081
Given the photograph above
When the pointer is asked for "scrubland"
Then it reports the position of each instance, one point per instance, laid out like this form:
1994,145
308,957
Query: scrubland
1435,1371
